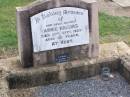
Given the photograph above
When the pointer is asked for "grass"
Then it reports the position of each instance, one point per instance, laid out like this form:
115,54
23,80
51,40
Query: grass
111,28
114,28
8,36
7,22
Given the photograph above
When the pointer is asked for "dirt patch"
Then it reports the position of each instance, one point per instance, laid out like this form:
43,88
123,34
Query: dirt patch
7,53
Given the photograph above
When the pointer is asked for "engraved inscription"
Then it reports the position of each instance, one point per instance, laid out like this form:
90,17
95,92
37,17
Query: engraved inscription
59,28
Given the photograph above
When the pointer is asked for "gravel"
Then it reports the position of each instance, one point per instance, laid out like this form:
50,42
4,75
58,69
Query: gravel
91,87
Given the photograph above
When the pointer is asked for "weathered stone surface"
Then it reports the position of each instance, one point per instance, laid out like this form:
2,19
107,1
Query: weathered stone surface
24,37
107,52
124,3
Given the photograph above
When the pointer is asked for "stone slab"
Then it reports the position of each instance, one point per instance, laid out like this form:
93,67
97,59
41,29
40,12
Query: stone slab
123,3
60,30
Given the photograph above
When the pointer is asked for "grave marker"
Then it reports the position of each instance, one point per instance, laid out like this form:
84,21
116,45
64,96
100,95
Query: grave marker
56,31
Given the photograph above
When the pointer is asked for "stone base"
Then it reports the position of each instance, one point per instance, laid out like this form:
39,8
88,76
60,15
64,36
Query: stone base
114,55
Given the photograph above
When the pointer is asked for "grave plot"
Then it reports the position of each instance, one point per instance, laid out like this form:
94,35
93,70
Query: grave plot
52,80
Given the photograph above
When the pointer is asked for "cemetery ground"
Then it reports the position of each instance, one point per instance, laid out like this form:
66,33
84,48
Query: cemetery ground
112,28
107,75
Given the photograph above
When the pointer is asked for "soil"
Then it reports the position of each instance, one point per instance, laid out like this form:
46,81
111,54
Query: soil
6,53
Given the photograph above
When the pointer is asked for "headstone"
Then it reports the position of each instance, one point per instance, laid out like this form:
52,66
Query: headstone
57,31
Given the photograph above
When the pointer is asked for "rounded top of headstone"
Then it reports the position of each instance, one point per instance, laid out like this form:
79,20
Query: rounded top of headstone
89,1
39,2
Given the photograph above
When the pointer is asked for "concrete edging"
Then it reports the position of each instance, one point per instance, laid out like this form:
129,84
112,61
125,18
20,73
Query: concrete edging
114,55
